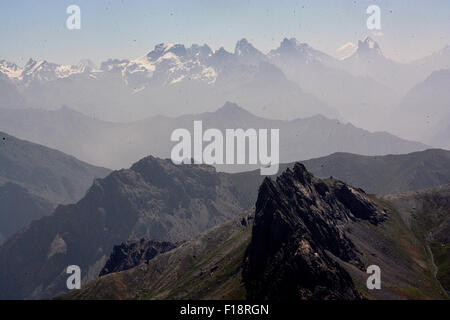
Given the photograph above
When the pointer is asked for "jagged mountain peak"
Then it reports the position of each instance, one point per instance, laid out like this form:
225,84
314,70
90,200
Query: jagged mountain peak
4,62
293,51
368,46
10,69
202,51
132,253
293,44
222,52
30,62
298,220
243,47
86,64
162,49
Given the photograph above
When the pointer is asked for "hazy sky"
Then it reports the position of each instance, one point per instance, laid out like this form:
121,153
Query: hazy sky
130,28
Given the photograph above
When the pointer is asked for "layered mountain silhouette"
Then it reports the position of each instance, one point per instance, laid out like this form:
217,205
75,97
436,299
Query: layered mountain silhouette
154,199
306,238
291,81
161,201
48,173
168,80
359,98
344,199
115,145
18,207
375,174
34,179
428,108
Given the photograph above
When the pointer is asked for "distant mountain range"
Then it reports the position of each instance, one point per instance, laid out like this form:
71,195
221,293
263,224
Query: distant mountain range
306,239
374,174
117,145
291,81
427,106
34,179
158,200
170,80
355,146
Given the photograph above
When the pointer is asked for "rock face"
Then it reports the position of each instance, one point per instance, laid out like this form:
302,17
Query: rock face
298,233
130,254
154,199
310,239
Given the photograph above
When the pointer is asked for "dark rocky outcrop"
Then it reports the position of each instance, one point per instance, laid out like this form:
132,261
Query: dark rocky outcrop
310,239
130,254
298,232
154,199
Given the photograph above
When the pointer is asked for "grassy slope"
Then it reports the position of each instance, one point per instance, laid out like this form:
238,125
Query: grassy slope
424,212
208,267
406,271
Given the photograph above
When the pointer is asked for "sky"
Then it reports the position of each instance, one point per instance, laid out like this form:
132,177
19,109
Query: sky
410,29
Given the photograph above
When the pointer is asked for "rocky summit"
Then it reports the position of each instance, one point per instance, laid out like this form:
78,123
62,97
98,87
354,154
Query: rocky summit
130,254
306,238
298,232
155,199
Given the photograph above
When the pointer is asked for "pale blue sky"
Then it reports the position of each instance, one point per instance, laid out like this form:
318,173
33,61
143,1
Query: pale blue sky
131,28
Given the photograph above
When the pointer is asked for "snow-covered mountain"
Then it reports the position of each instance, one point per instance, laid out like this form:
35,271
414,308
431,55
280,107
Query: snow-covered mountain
11,70
293,51
359,98
368,60
293,80
171,79
42,71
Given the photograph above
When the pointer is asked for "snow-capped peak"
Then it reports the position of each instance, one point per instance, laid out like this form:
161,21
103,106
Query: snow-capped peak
247,53
202,52
10,69
86,64
292,47
297,52
162,49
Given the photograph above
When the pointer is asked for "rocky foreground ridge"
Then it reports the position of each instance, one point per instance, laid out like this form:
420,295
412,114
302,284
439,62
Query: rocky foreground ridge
306,238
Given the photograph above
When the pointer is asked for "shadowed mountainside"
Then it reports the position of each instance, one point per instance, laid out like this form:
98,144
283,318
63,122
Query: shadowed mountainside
154,199
308,239
118,145
375,174
34,179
